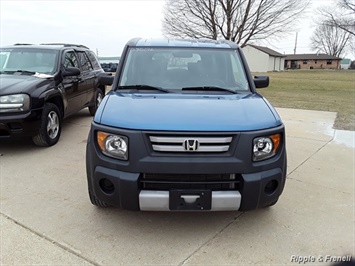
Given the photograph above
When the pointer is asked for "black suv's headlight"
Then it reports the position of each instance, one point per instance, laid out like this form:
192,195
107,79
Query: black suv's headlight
112,145
265,147
14,103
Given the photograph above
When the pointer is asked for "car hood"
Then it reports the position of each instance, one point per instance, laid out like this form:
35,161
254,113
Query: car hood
12,84
187,112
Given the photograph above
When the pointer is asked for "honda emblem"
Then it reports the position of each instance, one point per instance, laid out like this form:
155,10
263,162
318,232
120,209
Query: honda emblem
191,144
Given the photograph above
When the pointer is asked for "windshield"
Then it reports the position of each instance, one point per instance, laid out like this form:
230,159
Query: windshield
27,59
177,68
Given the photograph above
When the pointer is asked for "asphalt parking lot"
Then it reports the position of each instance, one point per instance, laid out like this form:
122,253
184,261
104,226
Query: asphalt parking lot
46,216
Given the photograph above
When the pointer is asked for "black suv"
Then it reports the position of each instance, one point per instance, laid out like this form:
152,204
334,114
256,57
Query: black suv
42,84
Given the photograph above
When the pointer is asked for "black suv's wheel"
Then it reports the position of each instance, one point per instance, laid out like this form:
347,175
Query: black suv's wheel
50,128
95,201
99,95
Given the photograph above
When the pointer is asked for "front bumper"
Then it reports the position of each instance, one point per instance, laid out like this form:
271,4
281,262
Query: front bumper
148,179
20,125
150,200
126,191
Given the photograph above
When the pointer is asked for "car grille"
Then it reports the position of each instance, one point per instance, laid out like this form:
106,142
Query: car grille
190,181
202,144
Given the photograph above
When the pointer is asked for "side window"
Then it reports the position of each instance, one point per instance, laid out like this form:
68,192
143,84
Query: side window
84,63
93,59
70,60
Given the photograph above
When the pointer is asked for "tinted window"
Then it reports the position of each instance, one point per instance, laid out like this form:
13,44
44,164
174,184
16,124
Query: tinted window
93,59
84,63
70,60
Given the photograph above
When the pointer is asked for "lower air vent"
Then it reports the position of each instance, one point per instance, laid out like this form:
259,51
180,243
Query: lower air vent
195,181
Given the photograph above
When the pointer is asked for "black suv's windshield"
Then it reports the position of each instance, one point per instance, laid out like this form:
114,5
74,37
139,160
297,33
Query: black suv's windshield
28,60
177,68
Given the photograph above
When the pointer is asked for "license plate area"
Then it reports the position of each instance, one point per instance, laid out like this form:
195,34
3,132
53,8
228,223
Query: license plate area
190,200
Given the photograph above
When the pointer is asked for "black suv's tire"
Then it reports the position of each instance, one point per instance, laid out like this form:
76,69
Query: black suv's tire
50,128
95,201
99,95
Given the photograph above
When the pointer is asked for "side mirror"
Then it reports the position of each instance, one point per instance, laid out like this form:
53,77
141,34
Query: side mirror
71,71
105,79
261,81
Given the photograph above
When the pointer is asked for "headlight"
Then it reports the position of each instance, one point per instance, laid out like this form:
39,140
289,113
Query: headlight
113,145
15,103
265,147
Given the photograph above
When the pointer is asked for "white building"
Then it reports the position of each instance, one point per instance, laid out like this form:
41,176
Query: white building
345,64
263,59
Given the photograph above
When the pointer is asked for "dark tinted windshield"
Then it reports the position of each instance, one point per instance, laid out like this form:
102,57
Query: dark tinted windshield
27,59
177,68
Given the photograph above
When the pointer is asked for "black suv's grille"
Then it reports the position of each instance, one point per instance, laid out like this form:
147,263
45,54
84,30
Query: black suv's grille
190,181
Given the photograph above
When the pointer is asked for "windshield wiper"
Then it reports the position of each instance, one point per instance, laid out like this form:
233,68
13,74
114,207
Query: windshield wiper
25,72
17,71
142,87
208,88
7,72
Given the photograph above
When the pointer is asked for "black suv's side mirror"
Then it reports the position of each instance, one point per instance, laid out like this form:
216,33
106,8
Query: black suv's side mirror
105,79
71,71
261,81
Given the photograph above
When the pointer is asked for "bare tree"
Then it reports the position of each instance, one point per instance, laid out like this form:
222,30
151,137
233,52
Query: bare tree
330,39
341,16
335,32
240,21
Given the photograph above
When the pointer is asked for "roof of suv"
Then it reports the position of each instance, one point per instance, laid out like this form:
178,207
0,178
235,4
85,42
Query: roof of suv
54,46
182,43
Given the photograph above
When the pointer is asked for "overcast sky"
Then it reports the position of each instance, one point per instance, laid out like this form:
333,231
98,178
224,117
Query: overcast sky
105,26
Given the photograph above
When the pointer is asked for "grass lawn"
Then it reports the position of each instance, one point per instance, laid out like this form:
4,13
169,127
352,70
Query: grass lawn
323,90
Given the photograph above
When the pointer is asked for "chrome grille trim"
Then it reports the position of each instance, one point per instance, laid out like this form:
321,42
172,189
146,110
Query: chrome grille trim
199,139
176,143
166,148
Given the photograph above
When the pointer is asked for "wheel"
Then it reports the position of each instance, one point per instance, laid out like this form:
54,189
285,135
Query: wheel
95,201
99,95
50,127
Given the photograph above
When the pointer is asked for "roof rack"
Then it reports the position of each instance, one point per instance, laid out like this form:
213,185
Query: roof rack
23,44
66,45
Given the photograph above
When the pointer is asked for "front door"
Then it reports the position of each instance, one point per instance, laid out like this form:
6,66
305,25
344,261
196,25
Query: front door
88,77
72,84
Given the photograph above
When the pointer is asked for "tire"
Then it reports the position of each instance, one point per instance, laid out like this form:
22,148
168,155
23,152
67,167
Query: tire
99,95
50,127
95,201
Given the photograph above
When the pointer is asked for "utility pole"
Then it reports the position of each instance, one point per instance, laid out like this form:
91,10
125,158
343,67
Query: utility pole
294,51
